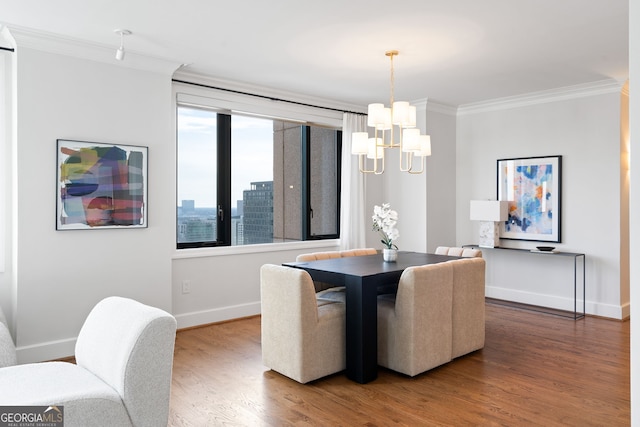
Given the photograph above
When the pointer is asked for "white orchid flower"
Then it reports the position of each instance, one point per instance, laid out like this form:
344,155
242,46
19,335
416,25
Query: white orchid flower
384,221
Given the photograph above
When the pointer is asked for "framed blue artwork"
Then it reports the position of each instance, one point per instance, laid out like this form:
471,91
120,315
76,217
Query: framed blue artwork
532,186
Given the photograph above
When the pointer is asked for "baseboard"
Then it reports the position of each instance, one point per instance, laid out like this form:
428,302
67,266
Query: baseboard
62,349
196,318
557,303
51,350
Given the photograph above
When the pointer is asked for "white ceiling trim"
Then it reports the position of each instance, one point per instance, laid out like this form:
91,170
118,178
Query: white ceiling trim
53,43
543,97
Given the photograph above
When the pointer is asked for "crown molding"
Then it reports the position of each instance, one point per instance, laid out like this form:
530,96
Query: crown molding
437,107
56,44
434,106
554,95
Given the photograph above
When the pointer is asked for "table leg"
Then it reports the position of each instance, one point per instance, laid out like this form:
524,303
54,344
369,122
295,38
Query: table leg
362,330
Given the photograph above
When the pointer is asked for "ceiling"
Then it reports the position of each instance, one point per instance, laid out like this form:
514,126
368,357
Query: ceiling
452,52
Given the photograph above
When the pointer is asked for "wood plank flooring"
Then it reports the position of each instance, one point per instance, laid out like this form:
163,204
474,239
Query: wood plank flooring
535,370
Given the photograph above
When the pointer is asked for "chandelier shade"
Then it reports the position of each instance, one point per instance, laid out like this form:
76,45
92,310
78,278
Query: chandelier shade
397,119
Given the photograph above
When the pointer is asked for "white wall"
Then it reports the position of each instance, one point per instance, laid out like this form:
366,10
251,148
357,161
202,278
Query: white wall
6,294
441,177
225,282
60,275
634,111
584,127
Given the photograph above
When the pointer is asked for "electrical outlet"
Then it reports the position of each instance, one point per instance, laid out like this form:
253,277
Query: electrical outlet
186,286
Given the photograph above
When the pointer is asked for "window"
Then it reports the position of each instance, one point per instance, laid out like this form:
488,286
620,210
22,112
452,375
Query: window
246,180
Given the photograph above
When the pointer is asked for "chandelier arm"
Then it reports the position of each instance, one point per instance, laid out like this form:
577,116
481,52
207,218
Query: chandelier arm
408,156
382,168
362,164
422,163
402,155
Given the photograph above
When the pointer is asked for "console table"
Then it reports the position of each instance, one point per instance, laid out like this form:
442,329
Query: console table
576,256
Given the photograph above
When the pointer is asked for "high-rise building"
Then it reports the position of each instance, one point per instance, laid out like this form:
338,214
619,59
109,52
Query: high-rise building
258,213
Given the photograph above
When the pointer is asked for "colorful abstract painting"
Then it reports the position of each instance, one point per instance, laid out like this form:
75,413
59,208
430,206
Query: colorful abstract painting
101,186
532,187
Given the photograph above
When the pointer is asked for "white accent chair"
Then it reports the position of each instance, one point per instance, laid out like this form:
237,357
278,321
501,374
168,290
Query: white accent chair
7,347
122,375
303,337
457,251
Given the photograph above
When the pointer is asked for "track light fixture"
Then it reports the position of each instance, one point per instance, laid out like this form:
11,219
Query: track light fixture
120,51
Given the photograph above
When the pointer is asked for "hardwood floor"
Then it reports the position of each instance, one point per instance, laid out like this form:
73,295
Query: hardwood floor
535,369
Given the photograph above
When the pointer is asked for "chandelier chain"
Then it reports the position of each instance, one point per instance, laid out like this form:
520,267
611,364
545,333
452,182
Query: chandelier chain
392,82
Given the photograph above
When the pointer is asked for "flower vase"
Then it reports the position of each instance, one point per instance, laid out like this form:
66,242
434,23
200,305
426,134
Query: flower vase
389,255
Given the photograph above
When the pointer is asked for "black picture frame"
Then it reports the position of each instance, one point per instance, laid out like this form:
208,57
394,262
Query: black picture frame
533,188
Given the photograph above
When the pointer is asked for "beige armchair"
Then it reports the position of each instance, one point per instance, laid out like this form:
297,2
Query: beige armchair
303,337
456,251
468,314
438,314
414,326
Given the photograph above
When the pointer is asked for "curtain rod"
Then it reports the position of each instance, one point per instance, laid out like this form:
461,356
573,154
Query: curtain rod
271,98
10,49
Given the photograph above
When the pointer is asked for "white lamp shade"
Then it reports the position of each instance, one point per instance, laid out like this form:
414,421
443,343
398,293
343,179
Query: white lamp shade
425,146
359,142
411,140
386,123
412,117
375,114
375,151
488,210
400,113
379,117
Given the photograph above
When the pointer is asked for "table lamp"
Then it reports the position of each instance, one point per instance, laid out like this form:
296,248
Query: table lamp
490,213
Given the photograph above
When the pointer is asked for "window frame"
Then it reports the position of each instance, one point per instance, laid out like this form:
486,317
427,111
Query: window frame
225,104
306,186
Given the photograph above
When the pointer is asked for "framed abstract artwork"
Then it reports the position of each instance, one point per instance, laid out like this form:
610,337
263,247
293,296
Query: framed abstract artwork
532,187
100,186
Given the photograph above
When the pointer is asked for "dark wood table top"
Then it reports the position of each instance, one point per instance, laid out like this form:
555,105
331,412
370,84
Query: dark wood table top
370,265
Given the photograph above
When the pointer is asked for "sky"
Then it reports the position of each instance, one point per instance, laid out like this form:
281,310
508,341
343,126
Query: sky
251,154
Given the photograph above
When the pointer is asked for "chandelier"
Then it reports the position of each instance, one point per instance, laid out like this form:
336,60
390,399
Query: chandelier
399,119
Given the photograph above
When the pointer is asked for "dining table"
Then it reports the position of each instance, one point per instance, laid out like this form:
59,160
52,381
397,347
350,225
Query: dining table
364,277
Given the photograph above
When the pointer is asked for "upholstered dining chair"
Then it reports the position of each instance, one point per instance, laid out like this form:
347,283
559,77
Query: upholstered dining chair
415,324
457,251
303,337
468,309
331,291
122,375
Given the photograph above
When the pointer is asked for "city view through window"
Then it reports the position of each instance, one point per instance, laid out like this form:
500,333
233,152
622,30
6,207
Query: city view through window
252,174
275,181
